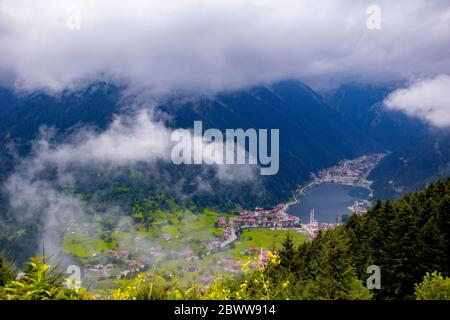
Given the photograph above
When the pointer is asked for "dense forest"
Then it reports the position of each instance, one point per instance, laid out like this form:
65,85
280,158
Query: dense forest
407,239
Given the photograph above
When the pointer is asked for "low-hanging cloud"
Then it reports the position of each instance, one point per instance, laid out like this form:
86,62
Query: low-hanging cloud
129,140
125,142
202,45
428,99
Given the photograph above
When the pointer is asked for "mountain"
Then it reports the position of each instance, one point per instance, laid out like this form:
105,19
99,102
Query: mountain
22,116
312,134
362,105
414,166
316,131
419,154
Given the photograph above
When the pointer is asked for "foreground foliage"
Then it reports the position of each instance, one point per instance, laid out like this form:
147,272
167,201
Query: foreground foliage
433,287
40,281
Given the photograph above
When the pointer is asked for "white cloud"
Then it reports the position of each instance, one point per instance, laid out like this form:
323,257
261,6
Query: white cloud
124,142
128,140
222,44
428,99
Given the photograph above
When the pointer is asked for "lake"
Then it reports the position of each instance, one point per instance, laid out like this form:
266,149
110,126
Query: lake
327,199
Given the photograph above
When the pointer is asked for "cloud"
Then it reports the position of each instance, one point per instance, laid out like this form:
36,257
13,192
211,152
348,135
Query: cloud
126,141
202,45
428,99
38,182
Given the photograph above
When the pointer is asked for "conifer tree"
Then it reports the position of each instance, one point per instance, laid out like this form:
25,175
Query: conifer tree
287,254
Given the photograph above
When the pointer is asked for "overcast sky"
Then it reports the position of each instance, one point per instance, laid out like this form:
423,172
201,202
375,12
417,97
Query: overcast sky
204,45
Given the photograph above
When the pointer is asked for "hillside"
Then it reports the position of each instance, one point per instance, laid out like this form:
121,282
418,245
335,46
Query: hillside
419,154
414,166
363,107
312,134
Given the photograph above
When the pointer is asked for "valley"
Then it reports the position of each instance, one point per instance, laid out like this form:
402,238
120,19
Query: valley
180,247
224,150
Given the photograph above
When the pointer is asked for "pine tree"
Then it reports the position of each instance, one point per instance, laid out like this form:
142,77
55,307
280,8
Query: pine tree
287,254
334,276
6,272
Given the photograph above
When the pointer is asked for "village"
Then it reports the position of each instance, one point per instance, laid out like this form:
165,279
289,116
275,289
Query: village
275,218
124,264
350,172
121,264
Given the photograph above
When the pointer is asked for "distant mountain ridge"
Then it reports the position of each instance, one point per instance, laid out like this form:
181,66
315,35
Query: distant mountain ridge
414,166
316,131
419,154
363,106
312,134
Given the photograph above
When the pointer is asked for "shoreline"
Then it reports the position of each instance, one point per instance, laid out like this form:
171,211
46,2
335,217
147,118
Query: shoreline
317,182
360,181
314,184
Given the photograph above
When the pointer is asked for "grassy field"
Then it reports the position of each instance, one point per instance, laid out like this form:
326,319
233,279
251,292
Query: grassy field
265,239
84,246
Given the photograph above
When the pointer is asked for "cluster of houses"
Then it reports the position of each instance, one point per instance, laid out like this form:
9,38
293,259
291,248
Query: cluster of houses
230,265
360,206
275,218
157,251
260,218
314,229
133,266
120,263
349,171
118,254
120,258
98,271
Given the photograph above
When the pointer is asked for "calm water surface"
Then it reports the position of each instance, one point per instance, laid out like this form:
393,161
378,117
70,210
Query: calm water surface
327,199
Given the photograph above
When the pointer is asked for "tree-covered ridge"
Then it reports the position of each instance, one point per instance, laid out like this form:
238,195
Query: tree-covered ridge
407,239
